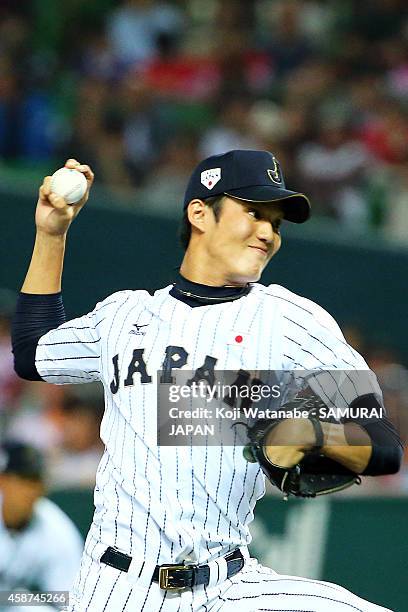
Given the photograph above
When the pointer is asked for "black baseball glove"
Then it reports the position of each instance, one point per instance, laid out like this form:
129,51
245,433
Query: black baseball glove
314,475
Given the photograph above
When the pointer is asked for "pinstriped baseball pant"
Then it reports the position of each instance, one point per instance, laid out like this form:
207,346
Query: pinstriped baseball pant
101,588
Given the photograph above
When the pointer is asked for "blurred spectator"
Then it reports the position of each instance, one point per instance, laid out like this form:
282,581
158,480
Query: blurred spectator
141,128
377,19
14,30
164,191
74,461
36,420
26,109
332,170
40,546
288,46
396,214
365,97
231,129
10,384
9,110
397,76
178,75
311,83
243,67
87,125
133,28
386,134
97,59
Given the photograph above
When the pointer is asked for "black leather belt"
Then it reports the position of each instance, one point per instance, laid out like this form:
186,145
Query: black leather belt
175,577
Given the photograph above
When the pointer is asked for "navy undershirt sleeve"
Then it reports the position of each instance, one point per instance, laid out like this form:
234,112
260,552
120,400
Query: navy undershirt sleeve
35,315
387,453
387,448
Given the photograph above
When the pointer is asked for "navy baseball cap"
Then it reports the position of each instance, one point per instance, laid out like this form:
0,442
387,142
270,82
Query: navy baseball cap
22,460
250,176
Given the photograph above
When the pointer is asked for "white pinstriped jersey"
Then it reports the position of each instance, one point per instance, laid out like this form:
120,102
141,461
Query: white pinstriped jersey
167,503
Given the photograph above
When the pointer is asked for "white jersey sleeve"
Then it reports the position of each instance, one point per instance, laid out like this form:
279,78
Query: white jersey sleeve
315,342
71,353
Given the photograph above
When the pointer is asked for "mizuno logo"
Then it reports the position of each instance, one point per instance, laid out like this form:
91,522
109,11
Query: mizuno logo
138,331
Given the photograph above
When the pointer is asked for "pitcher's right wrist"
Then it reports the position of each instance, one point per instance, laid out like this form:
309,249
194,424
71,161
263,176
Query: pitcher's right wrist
52,238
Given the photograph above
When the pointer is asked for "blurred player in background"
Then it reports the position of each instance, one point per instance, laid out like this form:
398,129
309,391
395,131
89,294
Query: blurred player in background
40,546
74,460
10,385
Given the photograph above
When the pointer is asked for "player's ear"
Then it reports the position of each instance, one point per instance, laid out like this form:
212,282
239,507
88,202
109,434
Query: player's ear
197,212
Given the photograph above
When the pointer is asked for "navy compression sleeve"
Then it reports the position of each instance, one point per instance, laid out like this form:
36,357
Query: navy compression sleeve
387,453
387,450
35,315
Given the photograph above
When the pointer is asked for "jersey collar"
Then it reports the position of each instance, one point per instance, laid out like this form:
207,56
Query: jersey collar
195,294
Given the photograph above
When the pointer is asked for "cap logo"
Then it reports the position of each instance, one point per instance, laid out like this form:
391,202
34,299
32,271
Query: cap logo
275,174
209,178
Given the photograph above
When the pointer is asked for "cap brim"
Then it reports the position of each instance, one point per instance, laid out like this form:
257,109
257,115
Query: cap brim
296,206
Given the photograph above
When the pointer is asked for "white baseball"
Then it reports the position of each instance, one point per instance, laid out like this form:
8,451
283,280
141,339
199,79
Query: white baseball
70,184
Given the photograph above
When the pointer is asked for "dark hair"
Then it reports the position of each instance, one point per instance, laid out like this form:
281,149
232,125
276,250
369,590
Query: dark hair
215,202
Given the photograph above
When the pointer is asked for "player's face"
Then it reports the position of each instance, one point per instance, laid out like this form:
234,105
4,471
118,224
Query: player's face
241,243
19,496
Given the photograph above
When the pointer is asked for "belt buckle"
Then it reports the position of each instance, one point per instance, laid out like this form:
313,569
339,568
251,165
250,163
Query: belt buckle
164,577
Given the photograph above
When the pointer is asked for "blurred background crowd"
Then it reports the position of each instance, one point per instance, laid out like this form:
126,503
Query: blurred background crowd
143,89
